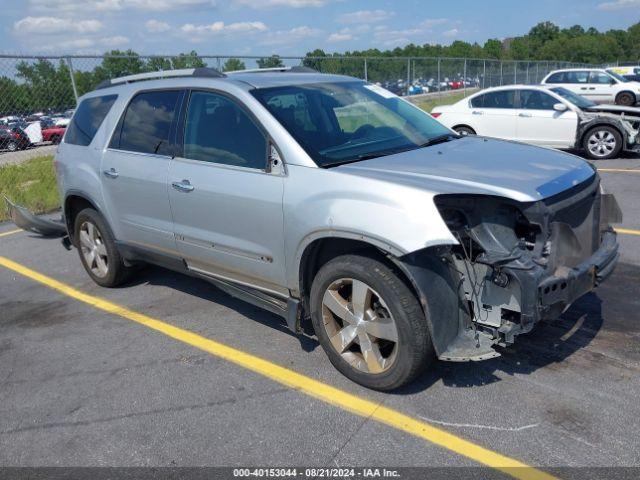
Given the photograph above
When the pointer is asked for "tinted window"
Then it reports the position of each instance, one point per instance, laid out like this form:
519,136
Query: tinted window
147,122
536,100
600,77
499,99
556,78
217,130
576,77
87,119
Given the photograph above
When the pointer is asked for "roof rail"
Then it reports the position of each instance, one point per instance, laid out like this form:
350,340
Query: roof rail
184,72
294,69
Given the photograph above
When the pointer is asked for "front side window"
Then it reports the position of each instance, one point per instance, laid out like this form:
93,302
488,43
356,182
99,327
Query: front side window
217,130
87,119
536,100
600,78
557,77
147,122
344,122
498,99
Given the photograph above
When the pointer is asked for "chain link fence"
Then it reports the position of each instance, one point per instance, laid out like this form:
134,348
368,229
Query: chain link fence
38,94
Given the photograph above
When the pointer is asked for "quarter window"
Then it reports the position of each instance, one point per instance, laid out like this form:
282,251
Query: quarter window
219,131
87,119
536,100
498,99
147,122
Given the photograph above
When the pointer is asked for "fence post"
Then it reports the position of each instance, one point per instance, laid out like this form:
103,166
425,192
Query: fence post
501,71
438,76
484,72
464,79
527,77
515,72
537,73
366,73
408,75
73,79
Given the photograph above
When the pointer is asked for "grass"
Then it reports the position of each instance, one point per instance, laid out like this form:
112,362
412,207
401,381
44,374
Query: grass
31,184
429,103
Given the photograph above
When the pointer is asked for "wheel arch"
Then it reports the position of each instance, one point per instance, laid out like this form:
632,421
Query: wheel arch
465,125
74,203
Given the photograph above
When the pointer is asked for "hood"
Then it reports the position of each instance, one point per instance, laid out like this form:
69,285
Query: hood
635,111
480,166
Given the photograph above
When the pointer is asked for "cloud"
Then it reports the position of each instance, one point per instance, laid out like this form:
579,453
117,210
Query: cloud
365,16
450,33
156,26
339,37
281,3
429,23
113,42
220,28
291,36
117,5
54,25
619,5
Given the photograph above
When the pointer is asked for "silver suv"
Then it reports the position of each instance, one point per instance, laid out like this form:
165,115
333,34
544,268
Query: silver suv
327,197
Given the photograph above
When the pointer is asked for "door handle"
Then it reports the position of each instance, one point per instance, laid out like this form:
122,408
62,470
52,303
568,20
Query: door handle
592,88
583,88
475,112
525,115
183,186
111,173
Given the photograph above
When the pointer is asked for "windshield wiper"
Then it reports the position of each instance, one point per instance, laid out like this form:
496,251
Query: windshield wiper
440,139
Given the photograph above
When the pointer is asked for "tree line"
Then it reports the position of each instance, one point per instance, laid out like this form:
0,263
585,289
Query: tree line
45,84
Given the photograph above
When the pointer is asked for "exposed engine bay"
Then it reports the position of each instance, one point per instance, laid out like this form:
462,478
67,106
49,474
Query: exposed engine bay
625,119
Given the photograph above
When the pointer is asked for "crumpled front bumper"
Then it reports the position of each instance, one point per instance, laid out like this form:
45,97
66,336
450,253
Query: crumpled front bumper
569,284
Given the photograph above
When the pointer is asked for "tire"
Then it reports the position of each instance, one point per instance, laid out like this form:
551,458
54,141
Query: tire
627,99
90,222
462,130
55,139
602,143
392,364
12,146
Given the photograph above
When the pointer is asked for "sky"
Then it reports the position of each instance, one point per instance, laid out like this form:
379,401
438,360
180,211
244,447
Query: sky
286,27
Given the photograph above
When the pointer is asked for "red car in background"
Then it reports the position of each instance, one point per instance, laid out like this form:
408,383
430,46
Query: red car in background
53,134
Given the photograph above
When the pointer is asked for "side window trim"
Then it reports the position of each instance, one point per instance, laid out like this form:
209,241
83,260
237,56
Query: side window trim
182,125
172,128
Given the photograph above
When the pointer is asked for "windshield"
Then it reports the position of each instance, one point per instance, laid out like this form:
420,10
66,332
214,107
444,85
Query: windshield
344,122
618,77
574,98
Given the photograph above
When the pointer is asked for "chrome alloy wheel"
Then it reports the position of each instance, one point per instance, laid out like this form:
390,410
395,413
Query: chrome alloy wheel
360,325
601,143
93,249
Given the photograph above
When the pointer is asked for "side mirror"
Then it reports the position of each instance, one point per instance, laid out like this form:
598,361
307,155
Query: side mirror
560,107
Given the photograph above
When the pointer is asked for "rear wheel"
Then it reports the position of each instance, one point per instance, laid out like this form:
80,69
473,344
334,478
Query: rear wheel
627,99
602,143
462,130
369,322
12,146
98,252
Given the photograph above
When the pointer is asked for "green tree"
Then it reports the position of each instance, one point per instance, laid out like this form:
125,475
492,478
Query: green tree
233,64
188,60
492,48
274,61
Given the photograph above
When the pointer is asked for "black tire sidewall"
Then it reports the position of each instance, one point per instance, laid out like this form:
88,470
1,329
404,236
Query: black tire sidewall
464,131
611,130
10,144
415,349
117,271
622,95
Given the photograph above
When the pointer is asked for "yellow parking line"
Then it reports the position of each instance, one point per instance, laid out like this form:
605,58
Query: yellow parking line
619,170
10,232
321,391
627,231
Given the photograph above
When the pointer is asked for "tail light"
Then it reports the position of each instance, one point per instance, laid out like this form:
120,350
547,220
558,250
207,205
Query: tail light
436,114
15,135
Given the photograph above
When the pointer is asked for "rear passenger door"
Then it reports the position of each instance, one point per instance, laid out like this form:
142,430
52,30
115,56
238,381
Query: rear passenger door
135,169
227,208
493,114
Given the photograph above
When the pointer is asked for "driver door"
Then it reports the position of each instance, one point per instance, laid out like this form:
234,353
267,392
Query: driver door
539,124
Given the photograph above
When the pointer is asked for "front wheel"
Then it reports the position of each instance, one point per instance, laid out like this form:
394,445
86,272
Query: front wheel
464,130
602,143
626,99
369,323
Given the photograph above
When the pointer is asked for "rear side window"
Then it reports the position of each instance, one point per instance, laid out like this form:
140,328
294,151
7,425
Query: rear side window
576,77
557,77
499,99
146,123
87,119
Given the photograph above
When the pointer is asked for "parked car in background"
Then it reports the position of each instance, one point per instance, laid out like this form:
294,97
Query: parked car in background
597,85
545,116
327,197
630,73
53,134
13,138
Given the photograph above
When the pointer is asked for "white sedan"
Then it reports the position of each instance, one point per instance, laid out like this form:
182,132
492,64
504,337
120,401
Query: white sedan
545,116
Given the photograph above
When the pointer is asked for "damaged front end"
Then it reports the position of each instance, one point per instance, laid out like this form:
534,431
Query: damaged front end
624,119
518,263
